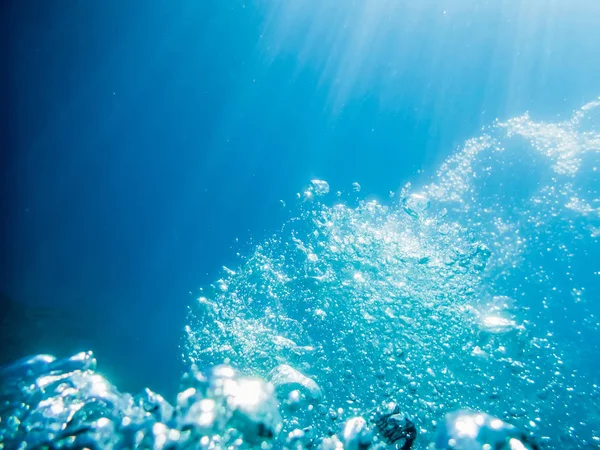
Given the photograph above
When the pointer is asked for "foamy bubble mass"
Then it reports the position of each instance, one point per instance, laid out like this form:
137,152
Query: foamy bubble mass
427,321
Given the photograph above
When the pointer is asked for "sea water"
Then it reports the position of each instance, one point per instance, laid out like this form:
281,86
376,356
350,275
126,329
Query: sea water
459,313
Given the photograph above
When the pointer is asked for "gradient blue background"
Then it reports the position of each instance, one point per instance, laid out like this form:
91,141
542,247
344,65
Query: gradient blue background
140,139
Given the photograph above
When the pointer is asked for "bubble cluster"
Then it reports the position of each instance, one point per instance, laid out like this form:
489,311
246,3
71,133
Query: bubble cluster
65,404
436,301
468,430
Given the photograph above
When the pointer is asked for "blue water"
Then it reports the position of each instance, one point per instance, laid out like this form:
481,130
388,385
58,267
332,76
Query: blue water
146,144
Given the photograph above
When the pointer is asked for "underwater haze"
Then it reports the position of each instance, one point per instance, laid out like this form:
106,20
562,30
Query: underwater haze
360,202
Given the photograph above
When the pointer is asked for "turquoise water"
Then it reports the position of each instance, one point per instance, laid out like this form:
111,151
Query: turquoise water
360,202
458,292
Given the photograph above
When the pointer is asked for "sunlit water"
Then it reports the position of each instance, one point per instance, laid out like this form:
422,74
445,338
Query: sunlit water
439,298
473,290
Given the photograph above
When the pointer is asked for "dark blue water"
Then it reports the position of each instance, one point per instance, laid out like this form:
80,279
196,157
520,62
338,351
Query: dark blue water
143,140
